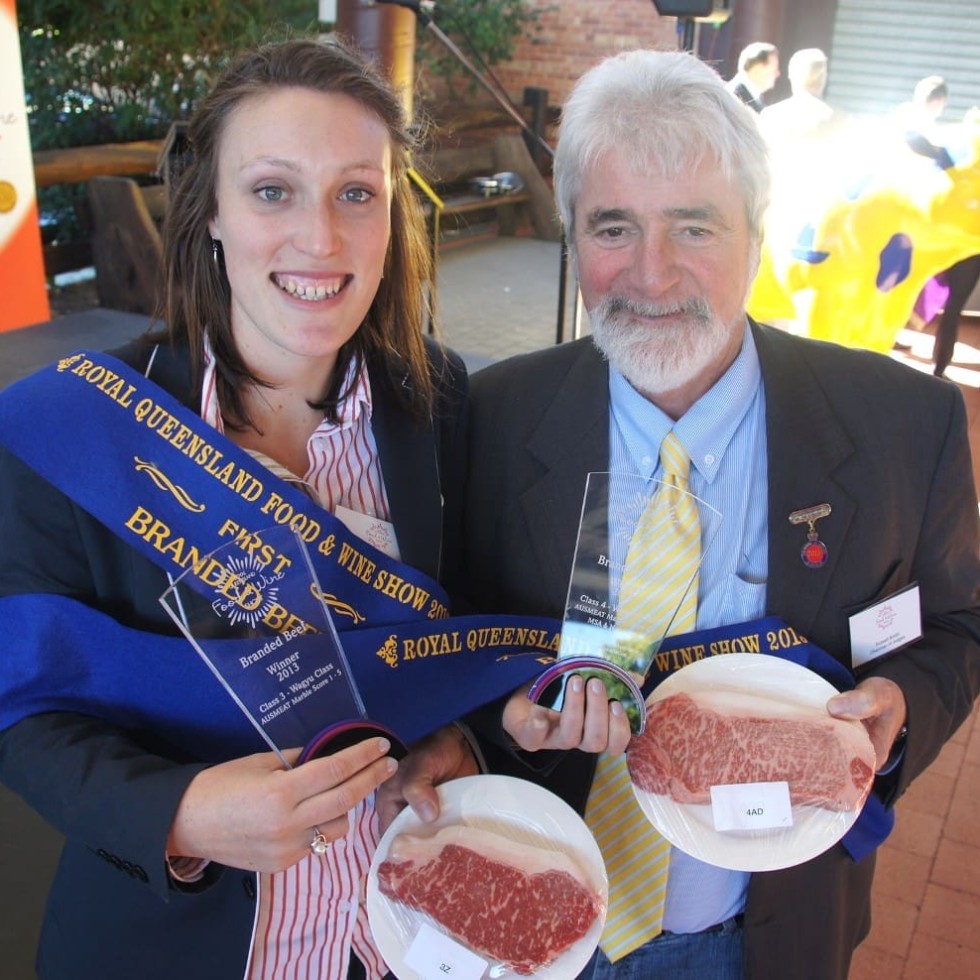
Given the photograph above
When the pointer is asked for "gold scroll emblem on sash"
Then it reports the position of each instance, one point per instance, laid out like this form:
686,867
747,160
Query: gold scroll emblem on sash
164,482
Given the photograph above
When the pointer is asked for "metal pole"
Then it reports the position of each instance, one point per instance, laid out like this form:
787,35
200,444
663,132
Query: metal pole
434,28
687,24
426,20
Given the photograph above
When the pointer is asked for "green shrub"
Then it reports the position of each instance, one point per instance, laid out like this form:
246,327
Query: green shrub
119,70
110,71
486,31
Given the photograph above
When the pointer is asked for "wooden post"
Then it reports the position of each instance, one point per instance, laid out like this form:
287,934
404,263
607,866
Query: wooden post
511,153
126,246
77,164
537,100
386,34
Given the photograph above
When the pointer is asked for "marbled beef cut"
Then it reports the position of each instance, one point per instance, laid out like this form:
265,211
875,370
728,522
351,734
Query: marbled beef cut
508,901
717,738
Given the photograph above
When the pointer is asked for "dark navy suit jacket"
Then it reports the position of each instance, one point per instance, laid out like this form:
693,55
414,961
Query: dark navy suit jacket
743,93
113,912
885,446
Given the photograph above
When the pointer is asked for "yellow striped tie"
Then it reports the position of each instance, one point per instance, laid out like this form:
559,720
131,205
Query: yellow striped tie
661,572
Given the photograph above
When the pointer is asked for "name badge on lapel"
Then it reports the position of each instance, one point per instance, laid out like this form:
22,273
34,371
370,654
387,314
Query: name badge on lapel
888,625
371,529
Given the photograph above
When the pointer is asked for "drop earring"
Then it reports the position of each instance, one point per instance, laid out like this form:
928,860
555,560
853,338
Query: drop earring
214,251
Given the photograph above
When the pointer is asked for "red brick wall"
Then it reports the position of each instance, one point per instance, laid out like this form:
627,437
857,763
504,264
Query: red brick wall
575,34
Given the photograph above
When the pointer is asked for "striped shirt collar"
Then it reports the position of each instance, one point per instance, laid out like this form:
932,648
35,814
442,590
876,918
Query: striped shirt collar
357,401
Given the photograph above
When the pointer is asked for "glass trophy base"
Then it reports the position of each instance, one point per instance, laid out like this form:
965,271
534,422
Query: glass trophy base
343,734
549,688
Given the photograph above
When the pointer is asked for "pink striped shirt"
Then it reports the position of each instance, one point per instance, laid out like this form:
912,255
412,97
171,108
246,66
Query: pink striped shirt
344,469
311,916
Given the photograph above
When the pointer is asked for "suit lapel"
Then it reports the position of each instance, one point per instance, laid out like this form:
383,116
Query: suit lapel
571,441
170,369
411,474
806,446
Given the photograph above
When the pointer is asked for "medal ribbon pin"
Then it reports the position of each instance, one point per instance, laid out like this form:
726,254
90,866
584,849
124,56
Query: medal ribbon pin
814,553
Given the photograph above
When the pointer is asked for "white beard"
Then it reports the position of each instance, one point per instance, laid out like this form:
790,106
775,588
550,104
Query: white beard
658,359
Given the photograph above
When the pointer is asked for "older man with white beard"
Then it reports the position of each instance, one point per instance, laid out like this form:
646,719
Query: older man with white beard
662,182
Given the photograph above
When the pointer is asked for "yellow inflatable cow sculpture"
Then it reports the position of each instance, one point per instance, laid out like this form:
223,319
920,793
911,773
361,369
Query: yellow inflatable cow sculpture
849,246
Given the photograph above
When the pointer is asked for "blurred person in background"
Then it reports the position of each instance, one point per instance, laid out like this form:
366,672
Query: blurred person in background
758,70
803,117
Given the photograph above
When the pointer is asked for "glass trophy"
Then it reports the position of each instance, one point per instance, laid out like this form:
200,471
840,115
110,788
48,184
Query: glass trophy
254,611
593,643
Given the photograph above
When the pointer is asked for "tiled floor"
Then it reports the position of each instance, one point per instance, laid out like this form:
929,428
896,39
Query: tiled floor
964,371
926,900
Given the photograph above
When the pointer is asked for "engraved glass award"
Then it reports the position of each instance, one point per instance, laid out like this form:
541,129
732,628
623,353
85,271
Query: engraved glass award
254,611
596,640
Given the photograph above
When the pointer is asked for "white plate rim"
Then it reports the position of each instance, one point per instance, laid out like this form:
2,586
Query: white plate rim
690,827
521,809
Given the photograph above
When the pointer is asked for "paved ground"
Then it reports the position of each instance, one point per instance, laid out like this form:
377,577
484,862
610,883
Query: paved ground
500,296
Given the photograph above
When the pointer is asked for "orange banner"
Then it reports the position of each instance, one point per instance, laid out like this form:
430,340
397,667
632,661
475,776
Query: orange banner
23,294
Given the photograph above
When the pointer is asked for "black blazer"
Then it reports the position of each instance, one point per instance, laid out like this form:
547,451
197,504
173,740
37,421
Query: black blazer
113,913
741,90
885,446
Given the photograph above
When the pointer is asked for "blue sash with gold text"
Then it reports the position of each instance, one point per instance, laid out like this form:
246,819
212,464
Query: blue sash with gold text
175,490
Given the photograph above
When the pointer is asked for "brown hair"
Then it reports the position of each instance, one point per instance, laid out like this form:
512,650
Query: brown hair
198,296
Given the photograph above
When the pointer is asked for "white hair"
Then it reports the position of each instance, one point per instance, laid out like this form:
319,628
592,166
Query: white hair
669,112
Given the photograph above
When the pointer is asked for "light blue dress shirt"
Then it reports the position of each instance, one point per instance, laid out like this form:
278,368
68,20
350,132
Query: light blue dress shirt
724,433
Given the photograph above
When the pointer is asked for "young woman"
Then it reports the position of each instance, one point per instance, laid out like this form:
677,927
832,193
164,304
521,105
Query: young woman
296,264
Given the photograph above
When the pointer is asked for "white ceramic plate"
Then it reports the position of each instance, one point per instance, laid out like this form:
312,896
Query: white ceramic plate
691,827
513,808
